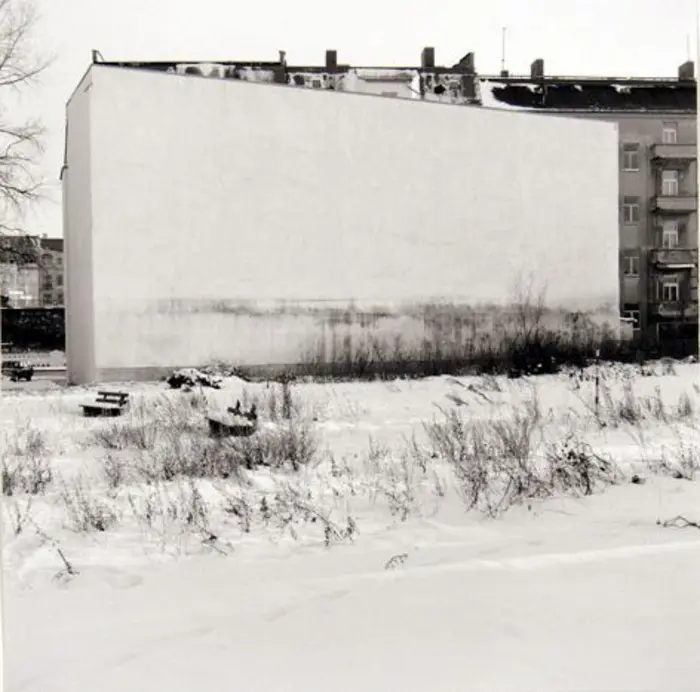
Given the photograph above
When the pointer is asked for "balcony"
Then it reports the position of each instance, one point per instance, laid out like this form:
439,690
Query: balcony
676,153
675,258
674,204
674,310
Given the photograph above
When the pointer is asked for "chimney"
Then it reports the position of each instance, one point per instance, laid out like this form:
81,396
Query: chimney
505,73
283,57
331,60
537,69
467,64
686,72
469,86
427,58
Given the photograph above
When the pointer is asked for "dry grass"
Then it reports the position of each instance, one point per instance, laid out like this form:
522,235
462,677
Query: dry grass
502,462
25,467
162,475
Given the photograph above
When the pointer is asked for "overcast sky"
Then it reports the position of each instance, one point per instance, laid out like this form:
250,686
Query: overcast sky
575,37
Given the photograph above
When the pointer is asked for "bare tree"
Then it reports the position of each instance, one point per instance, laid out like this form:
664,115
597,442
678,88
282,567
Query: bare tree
20,138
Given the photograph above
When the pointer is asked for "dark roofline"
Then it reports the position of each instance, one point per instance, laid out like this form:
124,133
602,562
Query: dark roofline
547,79
592,81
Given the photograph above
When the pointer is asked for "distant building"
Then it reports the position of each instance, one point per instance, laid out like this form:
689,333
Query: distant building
51,273
657,121
31,271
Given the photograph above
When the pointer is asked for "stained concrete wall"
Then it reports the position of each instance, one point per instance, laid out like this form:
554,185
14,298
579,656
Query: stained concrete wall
241,221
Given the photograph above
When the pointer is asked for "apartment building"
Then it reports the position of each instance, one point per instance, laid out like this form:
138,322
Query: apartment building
657,121
658,231
51,273
31,271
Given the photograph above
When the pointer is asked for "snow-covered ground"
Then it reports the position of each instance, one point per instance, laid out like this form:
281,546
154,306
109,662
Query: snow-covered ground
567,592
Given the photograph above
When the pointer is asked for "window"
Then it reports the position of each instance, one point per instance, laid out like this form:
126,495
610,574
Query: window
630,157
59,298
633,317
630,210
631,265
316,83
59,280
670,291
669,234
669,133
669,183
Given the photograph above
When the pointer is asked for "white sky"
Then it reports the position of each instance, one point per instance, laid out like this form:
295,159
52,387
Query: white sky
579,37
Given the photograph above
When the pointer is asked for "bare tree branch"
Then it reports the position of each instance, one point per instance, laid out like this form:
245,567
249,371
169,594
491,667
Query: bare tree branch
20,141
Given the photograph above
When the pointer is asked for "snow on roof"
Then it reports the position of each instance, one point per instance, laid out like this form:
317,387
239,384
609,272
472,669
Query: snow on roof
384,75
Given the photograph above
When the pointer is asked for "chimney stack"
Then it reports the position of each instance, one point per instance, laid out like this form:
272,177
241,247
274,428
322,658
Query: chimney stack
686,72
331,60
537,69
467,64
427,58
505,73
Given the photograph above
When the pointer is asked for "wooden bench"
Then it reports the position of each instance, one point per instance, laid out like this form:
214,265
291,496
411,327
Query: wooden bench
106,404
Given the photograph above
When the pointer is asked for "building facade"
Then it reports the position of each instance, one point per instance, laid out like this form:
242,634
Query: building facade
51,273
657,123
31,272
19,285
291,224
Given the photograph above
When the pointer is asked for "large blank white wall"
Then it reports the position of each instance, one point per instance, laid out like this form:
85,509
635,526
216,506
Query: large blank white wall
206,190
77,222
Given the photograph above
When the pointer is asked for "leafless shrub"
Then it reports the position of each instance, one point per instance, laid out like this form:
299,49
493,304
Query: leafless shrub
68,571
187,456
497,463
26,440
633,409
86,512
121,435
685,407
681,460
18,514
24,463
292,505
574,468
398,485
237,503
173,511
114,470
150,423
292,443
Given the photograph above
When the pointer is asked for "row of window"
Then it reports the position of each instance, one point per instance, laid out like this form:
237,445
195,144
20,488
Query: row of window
668,290
670,234
670,187
630,150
